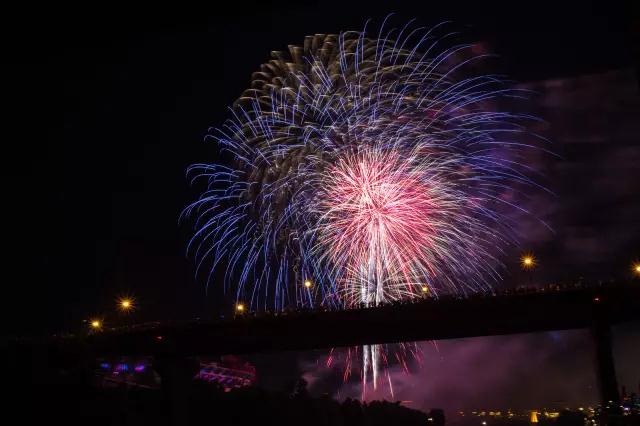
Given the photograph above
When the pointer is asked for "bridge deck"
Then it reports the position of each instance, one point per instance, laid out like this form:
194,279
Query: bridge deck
431,319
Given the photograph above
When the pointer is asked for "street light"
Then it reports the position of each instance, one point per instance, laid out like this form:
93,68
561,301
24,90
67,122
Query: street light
425,289
126,304
308,283
96,324
527,261
240,308
636,269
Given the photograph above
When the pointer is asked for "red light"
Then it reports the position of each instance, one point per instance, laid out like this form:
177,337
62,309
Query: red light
158,337
596,299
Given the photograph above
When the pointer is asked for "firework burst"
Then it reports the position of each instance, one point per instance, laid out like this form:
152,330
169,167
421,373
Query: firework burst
376,167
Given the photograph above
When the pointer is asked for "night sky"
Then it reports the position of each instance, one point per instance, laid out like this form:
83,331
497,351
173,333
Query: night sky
91,209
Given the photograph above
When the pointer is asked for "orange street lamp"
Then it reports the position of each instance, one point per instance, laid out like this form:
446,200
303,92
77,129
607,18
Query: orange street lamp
126,304
240,308
527,261
96,324
636,269
308,283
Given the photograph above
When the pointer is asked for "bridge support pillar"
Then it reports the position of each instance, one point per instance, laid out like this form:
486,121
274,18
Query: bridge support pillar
177,375
607,381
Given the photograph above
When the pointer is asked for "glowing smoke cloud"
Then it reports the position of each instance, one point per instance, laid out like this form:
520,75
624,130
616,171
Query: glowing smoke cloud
373,166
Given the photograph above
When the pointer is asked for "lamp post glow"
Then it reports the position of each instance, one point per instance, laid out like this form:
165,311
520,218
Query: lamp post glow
527,261
636,269
96,324
126,304
240,308
308,283
425,289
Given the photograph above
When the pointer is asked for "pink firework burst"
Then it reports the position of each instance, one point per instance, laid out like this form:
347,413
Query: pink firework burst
376,225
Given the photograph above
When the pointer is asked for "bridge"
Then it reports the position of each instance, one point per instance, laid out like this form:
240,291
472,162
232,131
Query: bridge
428,319
595,308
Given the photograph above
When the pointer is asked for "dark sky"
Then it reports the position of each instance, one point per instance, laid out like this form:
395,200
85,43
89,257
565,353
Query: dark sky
91,209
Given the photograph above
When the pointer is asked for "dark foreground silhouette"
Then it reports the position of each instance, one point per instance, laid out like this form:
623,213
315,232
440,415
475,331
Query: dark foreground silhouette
37,392
76,400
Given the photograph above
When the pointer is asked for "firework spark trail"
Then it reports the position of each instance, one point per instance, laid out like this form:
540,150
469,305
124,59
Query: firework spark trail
373,166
